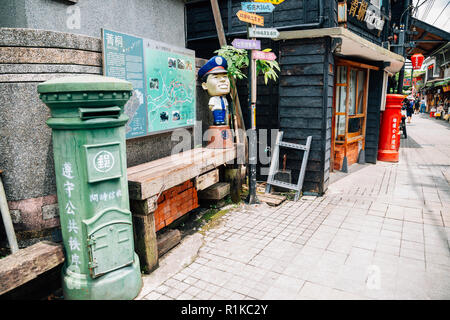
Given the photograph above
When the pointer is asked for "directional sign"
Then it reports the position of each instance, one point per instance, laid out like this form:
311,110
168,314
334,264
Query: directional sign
271,1
263,33
250,18
261,55
246,44
257,7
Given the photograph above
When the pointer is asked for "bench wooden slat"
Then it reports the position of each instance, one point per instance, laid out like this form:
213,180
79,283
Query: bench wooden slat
155,163
166,164
27,264
146,183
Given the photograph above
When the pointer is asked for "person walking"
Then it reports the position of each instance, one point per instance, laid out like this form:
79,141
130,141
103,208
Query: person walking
416,105
409,109
423,105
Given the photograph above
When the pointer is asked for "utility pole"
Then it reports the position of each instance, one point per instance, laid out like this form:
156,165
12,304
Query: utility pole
403,30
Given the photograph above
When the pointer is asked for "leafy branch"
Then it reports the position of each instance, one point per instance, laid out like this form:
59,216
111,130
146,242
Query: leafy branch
238,60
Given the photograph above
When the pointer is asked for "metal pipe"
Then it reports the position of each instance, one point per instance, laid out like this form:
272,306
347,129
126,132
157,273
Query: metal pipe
9,228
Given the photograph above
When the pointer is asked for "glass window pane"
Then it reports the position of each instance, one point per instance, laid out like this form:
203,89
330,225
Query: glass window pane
341,95
341,75
361,86
352,97
354,125
340,127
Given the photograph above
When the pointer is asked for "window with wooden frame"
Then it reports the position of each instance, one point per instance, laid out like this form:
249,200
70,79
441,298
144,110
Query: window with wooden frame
350,101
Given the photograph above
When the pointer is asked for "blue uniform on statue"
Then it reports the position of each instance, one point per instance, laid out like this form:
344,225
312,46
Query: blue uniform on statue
215,80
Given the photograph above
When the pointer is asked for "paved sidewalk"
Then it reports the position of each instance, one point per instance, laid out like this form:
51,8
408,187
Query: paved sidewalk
380,233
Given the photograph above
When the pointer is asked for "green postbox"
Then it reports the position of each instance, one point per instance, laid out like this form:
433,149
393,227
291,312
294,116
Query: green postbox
88,129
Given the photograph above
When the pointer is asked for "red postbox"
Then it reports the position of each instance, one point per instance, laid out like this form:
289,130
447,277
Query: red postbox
389,143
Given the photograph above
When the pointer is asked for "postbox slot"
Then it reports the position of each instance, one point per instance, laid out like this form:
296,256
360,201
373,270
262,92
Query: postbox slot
94,113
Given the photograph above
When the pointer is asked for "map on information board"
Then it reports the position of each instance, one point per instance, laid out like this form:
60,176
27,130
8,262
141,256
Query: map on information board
170,86
163,79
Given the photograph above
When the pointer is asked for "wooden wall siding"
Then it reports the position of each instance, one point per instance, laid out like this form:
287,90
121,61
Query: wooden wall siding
200,20
363,32
304,106
373,115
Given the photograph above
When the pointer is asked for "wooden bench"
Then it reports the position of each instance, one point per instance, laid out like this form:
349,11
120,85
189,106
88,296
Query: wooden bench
147,181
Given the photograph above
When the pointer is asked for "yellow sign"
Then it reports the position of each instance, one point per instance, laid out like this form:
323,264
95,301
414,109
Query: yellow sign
271,1
250,18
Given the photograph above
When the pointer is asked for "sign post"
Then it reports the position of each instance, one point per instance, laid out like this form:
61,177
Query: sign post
247,15
253,145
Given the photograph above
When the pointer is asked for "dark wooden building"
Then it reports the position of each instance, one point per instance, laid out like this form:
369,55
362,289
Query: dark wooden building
335,63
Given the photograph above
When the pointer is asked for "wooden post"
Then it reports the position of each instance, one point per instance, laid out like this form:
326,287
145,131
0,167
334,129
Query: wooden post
236,179
252,198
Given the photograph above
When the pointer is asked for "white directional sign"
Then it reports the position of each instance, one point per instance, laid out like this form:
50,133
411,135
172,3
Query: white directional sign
263,33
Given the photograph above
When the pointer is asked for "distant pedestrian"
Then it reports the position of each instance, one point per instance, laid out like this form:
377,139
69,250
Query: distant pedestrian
423,105
409,109
416,105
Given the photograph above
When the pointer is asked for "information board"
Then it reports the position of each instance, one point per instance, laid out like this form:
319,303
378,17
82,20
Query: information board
163,79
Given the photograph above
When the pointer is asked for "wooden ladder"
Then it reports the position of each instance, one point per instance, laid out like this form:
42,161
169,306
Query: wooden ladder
274,165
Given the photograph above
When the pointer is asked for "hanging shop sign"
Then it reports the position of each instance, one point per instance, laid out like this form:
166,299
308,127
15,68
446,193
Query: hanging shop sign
417,60
163,79
250,18
257,7
262,55
246,44
270,33
366,13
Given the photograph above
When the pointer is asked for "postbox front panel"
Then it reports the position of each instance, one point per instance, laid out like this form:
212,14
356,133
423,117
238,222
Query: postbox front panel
110,248
110,241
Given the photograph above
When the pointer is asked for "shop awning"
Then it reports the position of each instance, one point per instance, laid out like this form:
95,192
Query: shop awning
352,45
428,38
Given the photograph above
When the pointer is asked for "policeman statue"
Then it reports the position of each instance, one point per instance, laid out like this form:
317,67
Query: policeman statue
215,81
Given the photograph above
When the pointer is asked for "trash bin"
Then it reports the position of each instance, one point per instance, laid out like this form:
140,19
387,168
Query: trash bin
88,132
389,143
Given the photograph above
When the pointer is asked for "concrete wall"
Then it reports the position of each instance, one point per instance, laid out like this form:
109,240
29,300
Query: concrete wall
28,57
153,19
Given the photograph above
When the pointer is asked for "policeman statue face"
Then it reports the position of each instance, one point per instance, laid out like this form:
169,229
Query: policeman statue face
217,84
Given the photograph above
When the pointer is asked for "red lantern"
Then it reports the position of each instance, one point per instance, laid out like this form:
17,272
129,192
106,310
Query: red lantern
417,60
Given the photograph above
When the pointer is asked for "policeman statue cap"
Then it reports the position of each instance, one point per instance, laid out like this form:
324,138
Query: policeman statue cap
216,64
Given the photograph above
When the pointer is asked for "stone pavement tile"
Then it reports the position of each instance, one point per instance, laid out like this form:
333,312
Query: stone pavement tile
376,213
412,253
359,257
406,264
437,286
384,248
388,240
350,226
411,287
365,244
406,244
341,245
276,293
391,234
152,296
313,291
336,294
173,293
323,276
319,243
416,236
437,259
164,297
193,291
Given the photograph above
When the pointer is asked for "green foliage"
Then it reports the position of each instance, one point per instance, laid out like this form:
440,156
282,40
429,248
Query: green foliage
267,68
238,61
